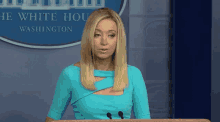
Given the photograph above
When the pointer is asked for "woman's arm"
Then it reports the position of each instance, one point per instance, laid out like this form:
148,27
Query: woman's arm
48,119
139,96
61,97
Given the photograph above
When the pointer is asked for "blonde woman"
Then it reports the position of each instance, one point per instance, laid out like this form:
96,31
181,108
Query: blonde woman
101,84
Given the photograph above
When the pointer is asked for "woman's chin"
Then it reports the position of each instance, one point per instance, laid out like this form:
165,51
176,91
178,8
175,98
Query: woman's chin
103,56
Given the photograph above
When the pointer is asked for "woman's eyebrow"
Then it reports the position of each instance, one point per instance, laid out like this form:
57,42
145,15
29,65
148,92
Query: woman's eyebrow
101,31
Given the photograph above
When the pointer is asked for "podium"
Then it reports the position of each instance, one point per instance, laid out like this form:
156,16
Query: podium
138,120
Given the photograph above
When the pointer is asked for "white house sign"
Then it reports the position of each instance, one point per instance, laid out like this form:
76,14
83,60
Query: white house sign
48,23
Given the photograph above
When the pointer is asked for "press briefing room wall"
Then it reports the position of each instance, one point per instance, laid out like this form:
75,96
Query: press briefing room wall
28,75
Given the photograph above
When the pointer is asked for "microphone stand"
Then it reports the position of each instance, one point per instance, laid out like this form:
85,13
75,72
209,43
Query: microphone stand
120,113
109,115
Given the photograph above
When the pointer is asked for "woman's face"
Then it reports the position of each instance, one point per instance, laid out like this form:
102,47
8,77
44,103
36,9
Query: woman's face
105,39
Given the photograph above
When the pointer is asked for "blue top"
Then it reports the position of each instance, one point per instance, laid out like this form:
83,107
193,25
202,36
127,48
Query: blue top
87,105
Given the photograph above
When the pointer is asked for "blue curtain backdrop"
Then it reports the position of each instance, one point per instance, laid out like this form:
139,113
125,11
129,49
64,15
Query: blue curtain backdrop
191,59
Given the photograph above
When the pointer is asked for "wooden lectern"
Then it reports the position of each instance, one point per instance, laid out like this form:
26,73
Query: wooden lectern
138,120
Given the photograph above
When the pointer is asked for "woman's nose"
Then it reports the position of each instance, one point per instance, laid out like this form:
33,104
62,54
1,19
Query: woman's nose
104,40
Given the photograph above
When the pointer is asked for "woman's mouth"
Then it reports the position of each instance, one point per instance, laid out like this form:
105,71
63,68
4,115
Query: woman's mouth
103,50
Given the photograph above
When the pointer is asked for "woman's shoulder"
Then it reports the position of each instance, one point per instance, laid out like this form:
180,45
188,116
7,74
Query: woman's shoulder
72,69
76,67
77,64
132,68
133,71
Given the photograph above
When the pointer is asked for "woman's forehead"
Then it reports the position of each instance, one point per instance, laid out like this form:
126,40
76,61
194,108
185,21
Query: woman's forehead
107,22
106,26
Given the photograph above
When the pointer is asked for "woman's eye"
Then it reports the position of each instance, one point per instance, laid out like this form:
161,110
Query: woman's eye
112,35
96,35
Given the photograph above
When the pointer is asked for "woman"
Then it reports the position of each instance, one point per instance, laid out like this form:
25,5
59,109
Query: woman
101,84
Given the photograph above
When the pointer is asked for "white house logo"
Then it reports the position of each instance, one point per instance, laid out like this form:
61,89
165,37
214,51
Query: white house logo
48,23
53,4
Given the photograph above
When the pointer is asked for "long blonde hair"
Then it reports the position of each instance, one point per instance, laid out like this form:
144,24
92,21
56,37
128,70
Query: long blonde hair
119,56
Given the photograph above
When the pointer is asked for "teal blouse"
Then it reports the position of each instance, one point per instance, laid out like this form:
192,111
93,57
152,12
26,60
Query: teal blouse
87,105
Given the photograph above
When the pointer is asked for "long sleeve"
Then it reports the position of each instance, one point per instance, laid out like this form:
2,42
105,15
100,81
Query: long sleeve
61,97
140,97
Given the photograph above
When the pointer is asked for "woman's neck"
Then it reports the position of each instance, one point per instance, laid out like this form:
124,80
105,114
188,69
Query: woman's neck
104,65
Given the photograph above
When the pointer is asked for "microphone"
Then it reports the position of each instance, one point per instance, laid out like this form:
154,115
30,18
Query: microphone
120,113
109,115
